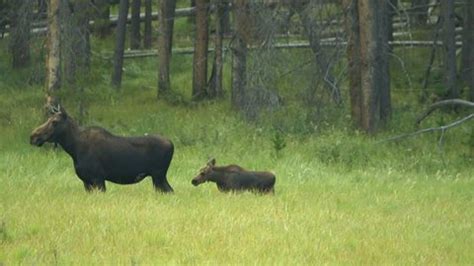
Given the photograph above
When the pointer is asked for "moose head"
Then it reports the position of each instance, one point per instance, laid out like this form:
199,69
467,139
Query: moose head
53,128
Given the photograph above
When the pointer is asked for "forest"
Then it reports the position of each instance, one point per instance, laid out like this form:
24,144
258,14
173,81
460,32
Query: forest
236,132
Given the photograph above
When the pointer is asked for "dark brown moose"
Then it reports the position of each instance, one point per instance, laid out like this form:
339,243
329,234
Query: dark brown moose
235,178
99,155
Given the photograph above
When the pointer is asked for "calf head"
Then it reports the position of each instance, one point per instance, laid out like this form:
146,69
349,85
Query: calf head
204,173
51,129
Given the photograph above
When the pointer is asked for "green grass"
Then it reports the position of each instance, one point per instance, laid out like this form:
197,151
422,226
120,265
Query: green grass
341,197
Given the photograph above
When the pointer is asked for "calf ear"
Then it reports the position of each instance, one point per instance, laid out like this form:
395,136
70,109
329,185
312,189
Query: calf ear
212,162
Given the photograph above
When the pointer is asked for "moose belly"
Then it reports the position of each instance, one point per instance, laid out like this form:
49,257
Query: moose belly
125,180
127,170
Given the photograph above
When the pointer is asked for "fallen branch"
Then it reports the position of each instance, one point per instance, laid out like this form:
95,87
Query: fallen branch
442,129
451,102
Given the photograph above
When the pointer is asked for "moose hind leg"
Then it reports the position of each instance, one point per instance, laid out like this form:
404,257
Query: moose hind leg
95,185
161,183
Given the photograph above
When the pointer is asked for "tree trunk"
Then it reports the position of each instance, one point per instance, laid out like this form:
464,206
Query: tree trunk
77,50
20,22
353,54
200,50
375,102
120,44
215,82
42,7
53,63
384,10
324,69
467,57
147,39
165,40
135,25
225,16
239,52
102,18
449,45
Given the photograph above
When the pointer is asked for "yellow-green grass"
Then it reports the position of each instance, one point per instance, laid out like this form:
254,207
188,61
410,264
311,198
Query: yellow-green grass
340,197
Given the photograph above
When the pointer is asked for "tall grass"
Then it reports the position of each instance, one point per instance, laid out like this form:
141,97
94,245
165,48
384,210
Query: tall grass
341,197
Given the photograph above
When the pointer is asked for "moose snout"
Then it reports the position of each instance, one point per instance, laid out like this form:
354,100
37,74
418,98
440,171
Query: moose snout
36,140
195,182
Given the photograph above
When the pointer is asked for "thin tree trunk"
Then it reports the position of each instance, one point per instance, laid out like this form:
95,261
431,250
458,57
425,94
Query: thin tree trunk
147,39
165,40
373,69
225,16
449,44
120,44
20,22
77,45
467,57
353,53
384,10
200,50
324,68
215,82
424,93
42,7
135,25
239,52
53,63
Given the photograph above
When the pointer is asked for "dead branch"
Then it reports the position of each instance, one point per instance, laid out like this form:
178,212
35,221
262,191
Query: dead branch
432,129
440,104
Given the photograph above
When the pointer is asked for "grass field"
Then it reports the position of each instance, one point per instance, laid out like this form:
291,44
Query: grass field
340,197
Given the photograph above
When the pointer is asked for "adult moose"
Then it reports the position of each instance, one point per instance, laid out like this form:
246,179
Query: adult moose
234,178
99,155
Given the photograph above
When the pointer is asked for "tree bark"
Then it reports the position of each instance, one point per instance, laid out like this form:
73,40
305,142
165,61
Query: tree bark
467,56
120,44
353,54
200,50
53,63
147,39
383,26
215,82
165,40
239,52
135,25
373,63
449,45
20,22
77,50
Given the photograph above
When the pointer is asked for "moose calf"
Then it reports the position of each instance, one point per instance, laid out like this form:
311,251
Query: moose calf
235,178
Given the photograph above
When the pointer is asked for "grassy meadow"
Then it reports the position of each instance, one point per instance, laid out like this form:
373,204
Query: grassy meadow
341,197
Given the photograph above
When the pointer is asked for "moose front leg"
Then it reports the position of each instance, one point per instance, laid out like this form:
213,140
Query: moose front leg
91,174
